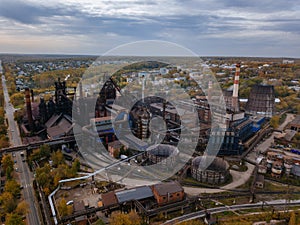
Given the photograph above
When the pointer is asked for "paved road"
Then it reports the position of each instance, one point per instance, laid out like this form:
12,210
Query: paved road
26,176
288,119
266,144
13,130
201,213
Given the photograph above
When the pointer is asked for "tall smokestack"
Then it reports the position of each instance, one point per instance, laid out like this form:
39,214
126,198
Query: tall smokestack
80,90
32,95
74,96
164,109
235,94
28,108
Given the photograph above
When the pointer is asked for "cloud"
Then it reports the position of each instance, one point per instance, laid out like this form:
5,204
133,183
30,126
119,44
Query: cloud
201,24
264,6
27,13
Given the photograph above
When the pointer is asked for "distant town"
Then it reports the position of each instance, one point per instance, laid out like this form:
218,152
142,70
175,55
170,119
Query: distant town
124,140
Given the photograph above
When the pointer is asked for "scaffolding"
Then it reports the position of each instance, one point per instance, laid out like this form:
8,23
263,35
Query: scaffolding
261,101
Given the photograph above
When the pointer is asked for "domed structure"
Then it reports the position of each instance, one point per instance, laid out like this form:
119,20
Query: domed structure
217,172
162,153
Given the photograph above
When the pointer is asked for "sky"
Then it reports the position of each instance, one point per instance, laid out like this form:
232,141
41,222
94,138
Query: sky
266,28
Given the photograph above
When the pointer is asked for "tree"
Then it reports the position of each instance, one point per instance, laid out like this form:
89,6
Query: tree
63,208
274,122
1,97
2,115
191,222
8,202
17,99
14,219
7,162
131,218
45,151
35,155
134,218
18,115
76,166
3,129
12,187
119,219
47,191
22,208
296,137
99,222
7,165
57,158
298,108
292,218
4,143
43,179
43,175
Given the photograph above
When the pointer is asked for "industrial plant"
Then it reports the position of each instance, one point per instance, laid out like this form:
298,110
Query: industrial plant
151,133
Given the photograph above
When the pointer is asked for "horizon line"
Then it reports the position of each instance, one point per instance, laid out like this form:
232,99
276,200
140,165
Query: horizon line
123,55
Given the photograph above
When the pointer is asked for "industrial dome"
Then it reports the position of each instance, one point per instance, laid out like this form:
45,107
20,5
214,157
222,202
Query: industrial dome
217,164
162,150
209,169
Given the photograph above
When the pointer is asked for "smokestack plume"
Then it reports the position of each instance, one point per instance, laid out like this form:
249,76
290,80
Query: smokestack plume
28,108
235,94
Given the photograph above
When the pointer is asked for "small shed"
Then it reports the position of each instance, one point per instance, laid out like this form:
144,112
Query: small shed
260,181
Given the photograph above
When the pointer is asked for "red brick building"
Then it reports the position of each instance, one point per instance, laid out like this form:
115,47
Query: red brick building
166,193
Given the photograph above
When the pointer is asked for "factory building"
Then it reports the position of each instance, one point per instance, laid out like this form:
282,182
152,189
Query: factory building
63,104
241,126
166,193
295,124
236,134
258,122
99,130
50,120
237,127
147,196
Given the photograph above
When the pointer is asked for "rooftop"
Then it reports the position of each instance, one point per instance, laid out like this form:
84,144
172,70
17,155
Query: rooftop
52,120
289,134
117,144
296,170
296,121
167,188
61,129
210,163
137,193
260,178
109,198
